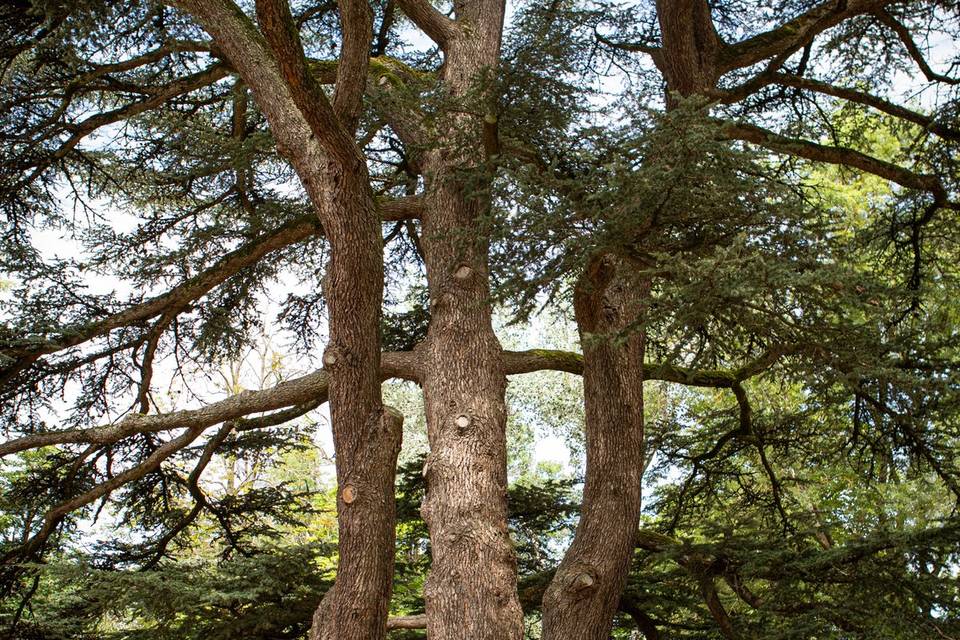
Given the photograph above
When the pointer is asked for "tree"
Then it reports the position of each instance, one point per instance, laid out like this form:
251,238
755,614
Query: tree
689,223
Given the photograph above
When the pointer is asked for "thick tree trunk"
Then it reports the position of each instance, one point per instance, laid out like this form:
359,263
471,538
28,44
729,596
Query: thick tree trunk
317,137
471,591
691,46
584,594
366,435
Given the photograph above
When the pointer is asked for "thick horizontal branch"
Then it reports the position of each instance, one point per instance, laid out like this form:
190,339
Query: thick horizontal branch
796,33
517,362
283,395
312,389
407,622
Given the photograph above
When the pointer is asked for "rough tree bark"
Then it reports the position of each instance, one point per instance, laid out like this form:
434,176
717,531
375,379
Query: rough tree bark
317,137
366,434
691,46
471,591
584,594
585,591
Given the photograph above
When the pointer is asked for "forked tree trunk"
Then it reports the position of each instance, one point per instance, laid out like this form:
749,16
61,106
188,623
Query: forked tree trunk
471,591
317,137
583,596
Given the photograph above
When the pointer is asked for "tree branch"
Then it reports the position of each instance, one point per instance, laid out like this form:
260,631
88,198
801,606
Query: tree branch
746,424
193,485
795,34
708,589
437,26
844,156
635,47
84,128
928,123
356,23
312,388
904,34
283,39
418,621
292,232
53,517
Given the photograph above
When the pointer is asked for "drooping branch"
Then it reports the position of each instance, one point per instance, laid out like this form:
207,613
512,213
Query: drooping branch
53,517
916,442
80,130
645,624
746,426
843,156
810,562
912,49
83,82
154,55
708,589
292,232
702,568
149,353
928,123
193,486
